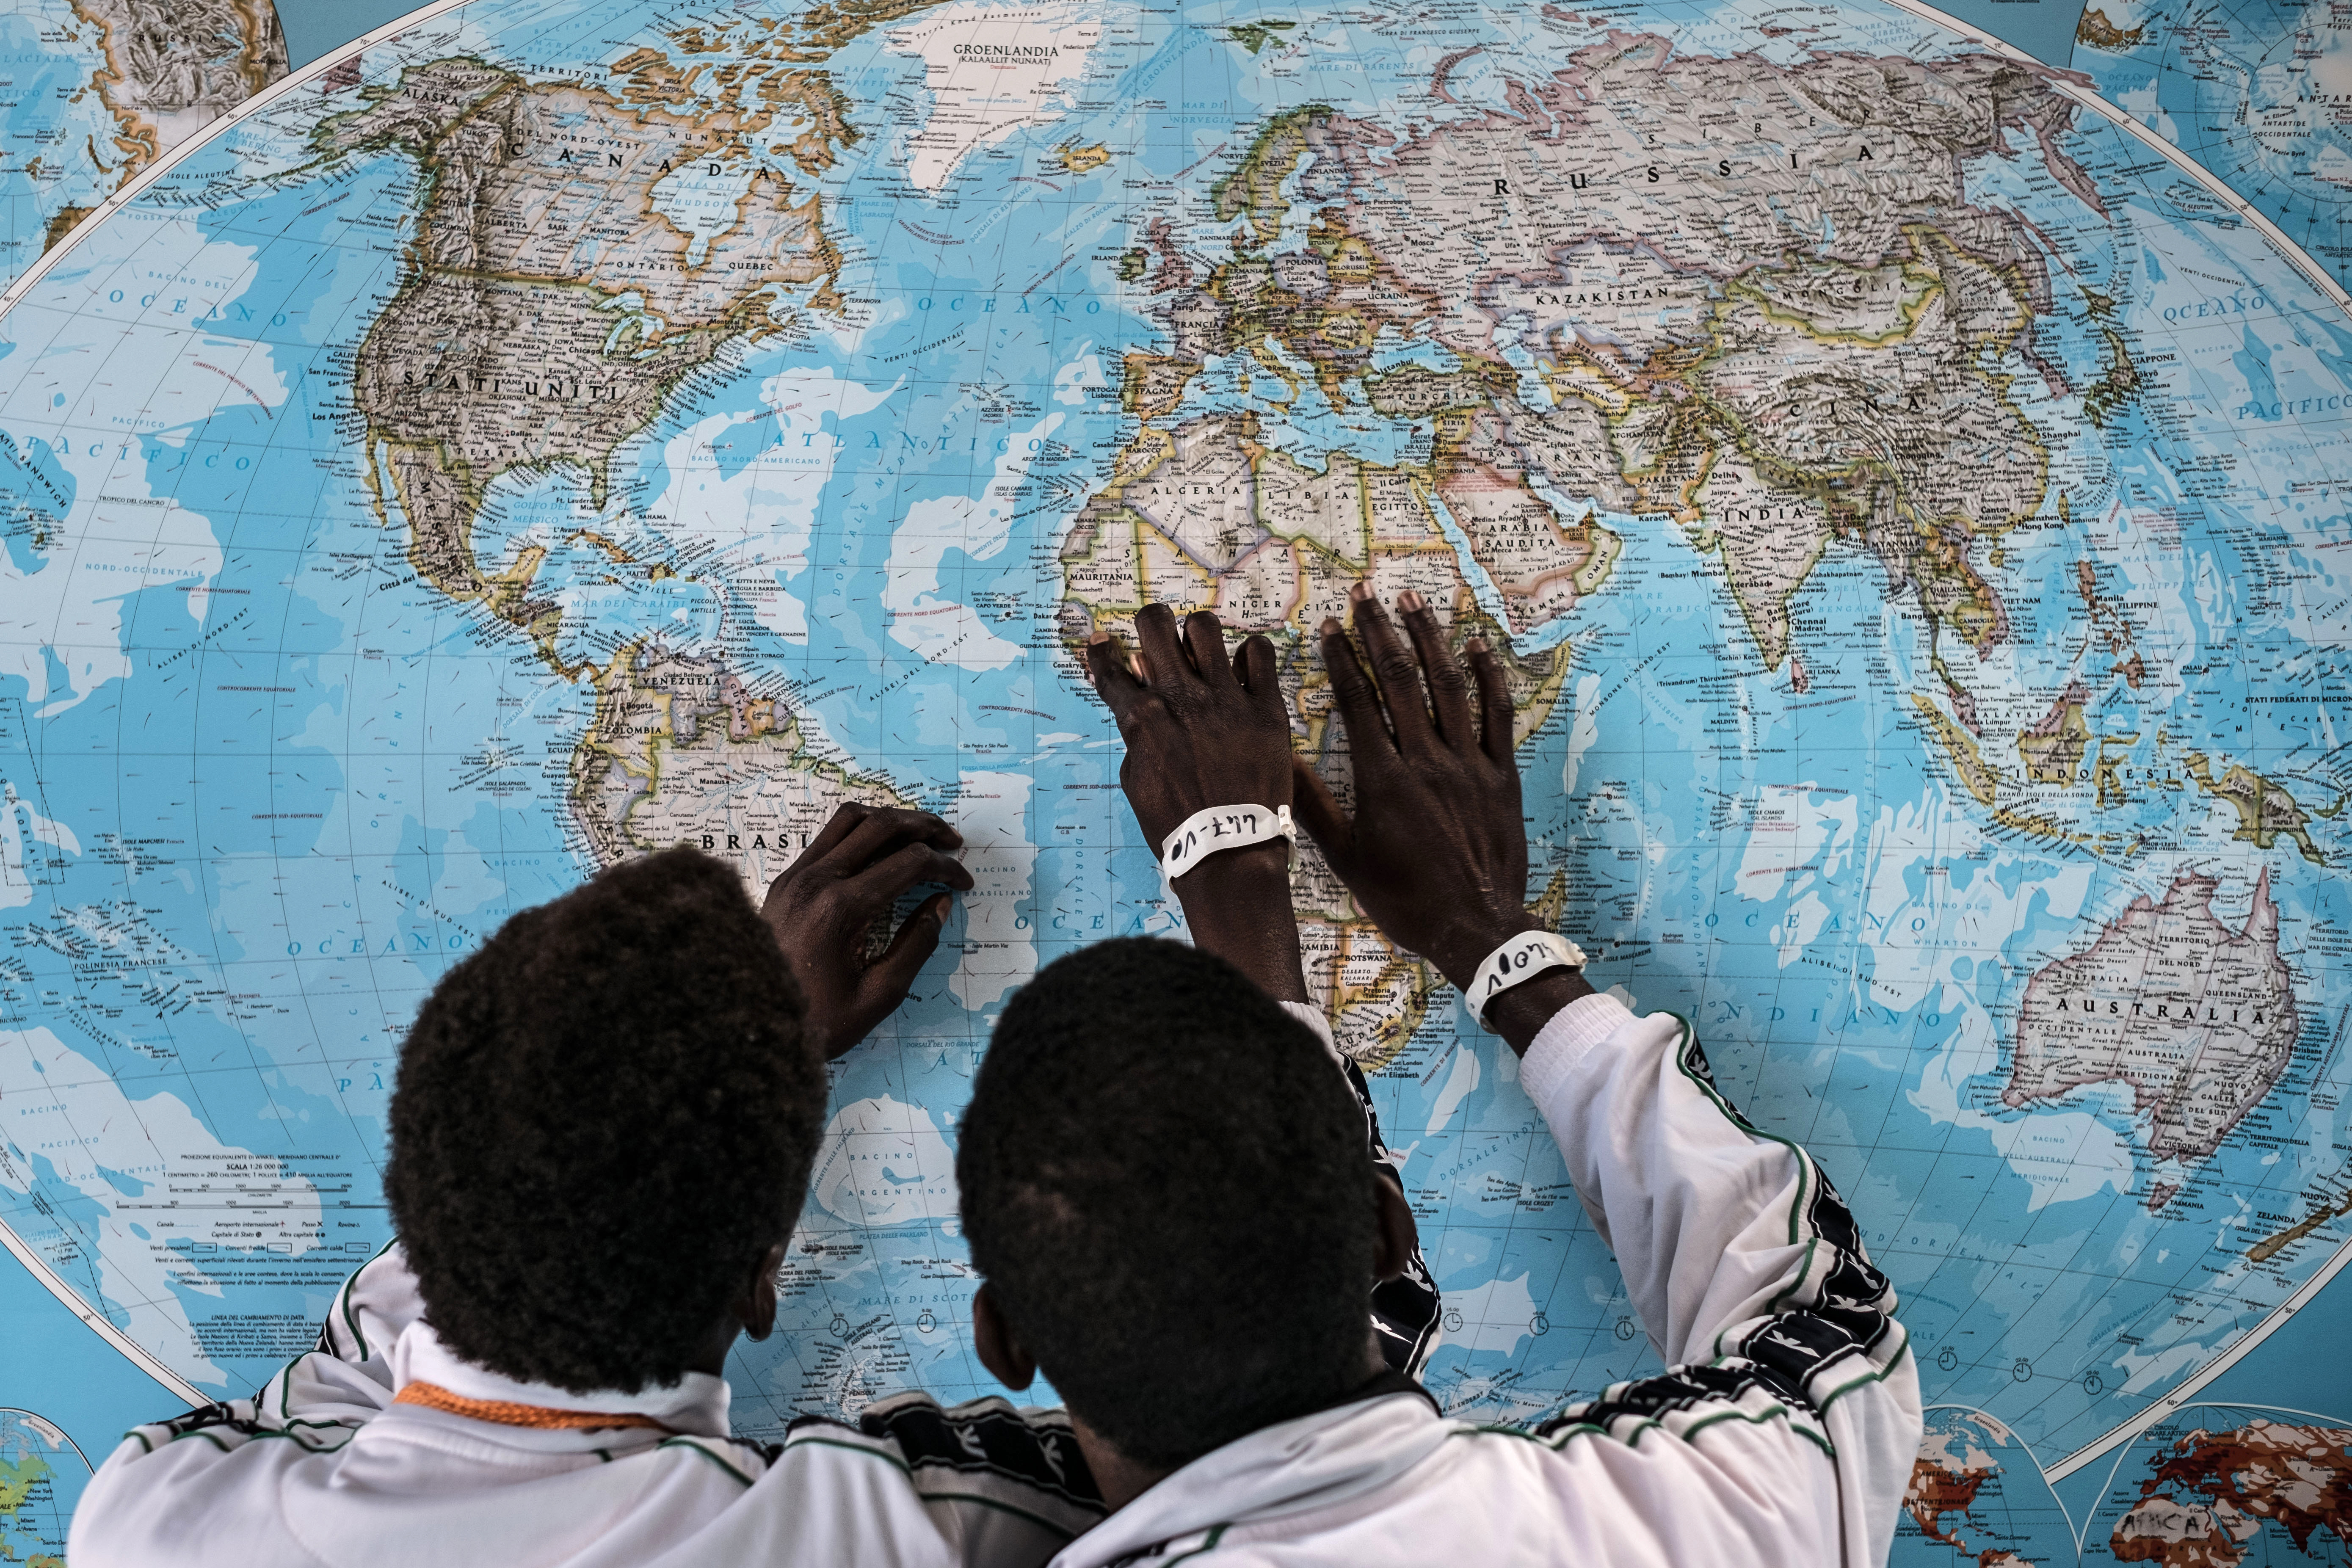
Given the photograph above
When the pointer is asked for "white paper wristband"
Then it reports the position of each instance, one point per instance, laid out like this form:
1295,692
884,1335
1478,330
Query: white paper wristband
1522,958
1205,832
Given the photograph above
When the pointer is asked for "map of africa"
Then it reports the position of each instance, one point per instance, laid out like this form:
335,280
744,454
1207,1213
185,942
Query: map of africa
1909,494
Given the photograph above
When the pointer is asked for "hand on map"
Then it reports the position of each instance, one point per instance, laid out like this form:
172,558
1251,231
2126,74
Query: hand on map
825,906
1203,730
1436,853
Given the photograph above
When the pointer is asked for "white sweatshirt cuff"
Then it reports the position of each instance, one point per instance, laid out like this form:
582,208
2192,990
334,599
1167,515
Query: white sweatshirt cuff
1561,1045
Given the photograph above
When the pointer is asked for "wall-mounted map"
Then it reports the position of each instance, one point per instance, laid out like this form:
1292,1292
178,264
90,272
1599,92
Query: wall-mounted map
1911,496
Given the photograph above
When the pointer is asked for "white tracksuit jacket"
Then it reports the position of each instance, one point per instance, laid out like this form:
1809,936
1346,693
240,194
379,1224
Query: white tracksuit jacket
1784,1436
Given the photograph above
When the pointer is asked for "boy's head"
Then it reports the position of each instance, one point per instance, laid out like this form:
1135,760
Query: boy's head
1166,1188
603,1122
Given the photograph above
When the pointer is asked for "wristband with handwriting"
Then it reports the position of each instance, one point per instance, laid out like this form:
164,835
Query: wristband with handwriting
1525,957
1205,832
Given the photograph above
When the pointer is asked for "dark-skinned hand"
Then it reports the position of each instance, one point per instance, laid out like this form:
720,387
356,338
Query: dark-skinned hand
1203,730
1436,853
824,907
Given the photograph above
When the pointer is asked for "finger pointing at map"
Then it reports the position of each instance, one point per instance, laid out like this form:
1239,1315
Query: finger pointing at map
825,910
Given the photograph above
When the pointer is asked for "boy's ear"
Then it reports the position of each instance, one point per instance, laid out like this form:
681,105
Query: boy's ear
1397,1235
755,1308
993,1340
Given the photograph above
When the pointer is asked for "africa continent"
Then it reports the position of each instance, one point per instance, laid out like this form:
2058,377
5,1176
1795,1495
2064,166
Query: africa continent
1746,299
1206,514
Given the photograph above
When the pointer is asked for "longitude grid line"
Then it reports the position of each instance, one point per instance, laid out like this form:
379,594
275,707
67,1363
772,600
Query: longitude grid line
318,1038
302,551
956,725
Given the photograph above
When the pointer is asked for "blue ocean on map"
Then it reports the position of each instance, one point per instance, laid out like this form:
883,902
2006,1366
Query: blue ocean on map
1926,580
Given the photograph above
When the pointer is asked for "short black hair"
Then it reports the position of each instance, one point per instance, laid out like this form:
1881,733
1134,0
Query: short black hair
1166,1188
602,1119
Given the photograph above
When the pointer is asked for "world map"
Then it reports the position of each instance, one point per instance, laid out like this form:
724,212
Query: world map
2210,1485
1907,489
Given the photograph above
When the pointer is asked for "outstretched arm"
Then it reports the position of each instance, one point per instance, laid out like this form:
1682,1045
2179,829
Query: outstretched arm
823,909
1205,729
1745,1264
1436,852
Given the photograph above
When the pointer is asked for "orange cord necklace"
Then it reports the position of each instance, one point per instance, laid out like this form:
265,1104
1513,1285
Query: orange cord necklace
508,1412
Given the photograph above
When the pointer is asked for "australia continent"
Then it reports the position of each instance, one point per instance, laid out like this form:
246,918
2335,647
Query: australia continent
2197,1018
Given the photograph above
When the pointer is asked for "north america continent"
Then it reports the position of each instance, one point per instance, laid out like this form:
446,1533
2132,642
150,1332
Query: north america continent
578,254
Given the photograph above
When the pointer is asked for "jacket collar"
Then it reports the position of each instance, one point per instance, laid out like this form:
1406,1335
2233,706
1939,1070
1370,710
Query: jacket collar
1343,1454
696,1404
